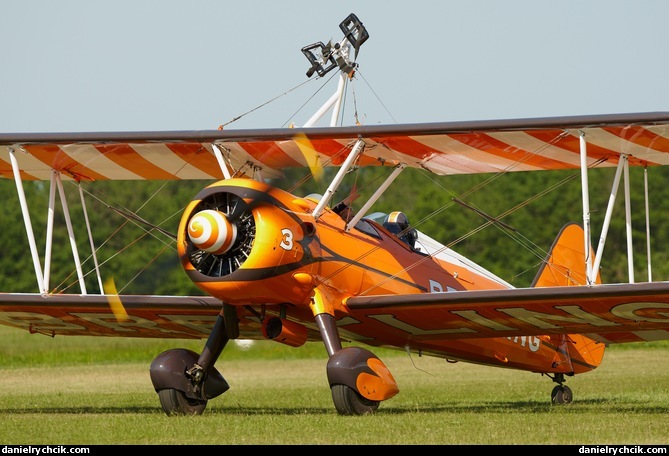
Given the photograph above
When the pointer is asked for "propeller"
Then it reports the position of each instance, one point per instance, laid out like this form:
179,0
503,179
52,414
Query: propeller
114,300
310,155
220,233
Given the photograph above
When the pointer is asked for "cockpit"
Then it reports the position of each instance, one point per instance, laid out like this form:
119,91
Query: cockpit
398,224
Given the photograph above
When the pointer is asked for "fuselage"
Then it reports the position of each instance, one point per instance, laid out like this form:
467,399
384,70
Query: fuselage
281,256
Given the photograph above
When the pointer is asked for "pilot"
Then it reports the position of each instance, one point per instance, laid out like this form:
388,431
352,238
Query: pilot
398,223
344,210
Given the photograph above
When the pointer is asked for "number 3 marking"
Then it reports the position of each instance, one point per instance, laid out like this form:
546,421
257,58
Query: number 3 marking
287,241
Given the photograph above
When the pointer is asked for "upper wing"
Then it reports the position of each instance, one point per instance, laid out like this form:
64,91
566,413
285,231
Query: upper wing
443,148
609,313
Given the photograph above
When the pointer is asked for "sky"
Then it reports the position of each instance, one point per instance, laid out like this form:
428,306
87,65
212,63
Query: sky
144,65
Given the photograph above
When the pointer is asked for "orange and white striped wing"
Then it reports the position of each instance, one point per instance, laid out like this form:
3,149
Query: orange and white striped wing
442,148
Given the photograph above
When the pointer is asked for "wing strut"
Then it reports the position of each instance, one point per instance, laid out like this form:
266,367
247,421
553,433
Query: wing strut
26,221
592,268
645,188
586,205
628,220
68,222
90,239
377,194
49,230
221,161
56,182
357,148
607,221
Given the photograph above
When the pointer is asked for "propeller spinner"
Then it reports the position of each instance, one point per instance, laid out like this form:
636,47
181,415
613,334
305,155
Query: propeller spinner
211,231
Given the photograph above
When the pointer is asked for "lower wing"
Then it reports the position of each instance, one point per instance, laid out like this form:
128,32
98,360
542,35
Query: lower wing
608,313
166,317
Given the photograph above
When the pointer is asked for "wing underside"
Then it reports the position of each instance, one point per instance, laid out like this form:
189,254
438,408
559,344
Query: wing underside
442,148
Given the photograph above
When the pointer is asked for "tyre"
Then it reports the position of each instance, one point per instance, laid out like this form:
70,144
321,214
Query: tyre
349,402
175,402
561,395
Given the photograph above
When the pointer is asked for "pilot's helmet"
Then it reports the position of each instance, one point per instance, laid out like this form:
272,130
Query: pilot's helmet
398,223
399,219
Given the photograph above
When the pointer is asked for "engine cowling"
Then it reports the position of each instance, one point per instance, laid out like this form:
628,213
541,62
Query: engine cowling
246,242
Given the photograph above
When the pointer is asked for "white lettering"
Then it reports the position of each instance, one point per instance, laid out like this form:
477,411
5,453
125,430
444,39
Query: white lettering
133,324
435,287
538,319
390,320
534,342
200,323
473,316
287,240
39,322
628,311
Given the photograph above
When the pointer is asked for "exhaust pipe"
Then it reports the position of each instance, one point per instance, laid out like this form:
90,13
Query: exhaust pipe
284,331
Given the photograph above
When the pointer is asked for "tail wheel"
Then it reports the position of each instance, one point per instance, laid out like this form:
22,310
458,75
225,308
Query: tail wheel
239,214
348,401
561,395
175,402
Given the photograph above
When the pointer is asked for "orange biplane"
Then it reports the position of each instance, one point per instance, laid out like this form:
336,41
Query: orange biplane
296,268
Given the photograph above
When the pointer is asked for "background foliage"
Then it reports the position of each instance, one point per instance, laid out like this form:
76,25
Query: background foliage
531,206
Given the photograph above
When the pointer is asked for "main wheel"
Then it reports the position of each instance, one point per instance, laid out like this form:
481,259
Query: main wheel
561,395
175,402
349,402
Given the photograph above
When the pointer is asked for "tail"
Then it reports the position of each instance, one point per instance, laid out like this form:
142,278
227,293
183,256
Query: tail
565,266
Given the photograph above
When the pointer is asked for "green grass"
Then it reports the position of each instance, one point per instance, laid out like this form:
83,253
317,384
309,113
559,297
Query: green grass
84,391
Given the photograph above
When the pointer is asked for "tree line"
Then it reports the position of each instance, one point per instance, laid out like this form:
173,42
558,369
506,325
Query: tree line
505,222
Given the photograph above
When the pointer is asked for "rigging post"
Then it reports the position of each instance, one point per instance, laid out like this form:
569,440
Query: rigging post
326,57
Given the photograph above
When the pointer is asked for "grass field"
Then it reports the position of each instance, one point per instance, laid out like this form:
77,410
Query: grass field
85,391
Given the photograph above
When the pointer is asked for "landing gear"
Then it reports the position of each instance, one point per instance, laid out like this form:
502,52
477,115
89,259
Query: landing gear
348,401
175,402
231,321
561,394
184,380
359,380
